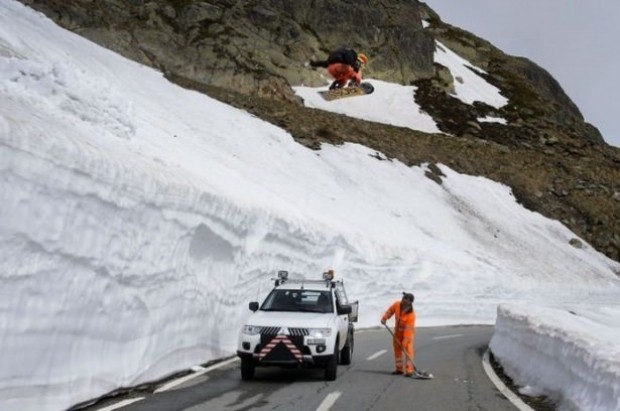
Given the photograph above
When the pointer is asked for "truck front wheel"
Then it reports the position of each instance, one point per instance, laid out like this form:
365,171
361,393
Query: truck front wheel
247,369
331,370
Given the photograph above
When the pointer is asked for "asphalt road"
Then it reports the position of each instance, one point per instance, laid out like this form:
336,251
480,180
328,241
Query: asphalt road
452,354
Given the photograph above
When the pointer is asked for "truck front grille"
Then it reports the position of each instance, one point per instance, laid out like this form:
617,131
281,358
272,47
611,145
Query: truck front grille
277,330
269,330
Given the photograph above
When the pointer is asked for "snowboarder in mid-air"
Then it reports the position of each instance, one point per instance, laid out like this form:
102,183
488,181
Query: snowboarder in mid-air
343,64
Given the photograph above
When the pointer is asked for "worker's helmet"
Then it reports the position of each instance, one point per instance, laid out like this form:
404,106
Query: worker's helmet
363,58
408,296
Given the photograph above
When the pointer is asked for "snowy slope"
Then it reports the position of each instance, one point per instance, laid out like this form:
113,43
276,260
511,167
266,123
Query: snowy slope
138,218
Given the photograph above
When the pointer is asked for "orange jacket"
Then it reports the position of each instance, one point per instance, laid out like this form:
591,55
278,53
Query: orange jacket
405,322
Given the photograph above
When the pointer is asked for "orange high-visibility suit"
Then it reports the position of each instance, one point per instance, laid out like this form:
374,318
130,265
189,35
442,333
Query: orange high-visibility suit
404,333
342,73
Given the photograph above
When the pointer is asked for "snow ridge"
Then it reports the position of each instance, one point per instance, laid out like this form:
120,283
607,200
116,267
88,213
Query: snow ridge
552,353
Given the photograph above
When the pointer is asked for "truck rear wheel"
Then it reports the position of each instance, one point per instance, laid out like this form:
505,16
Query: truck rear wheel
347,351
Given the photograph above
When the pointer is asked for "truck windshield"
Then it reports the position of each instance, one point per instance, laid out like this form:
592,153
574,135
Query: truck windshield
299,300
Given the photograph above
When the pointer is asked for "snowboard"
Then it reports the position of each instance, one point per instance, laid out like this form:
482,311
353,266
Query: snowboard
363,89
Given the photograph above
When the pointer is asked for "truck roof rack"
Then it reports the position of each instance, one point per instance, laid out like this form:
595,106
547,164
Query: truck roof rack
328,279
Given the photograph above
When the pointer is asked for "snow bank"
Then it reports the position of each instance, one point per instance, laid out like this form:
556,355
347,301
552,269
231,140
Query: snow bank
563,354
137,219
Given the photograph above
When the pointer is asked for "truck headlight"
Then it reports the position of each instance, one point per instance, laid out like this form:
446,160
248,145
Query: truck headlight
251,329
320,332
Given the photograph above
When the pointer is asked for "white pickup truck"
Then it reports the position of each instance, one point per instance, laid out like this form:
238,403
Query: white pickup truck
301,323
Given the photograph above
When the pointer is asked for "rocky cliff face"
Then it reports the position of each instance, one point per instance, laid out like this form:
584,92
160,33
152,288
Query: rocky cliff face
256,45
249,53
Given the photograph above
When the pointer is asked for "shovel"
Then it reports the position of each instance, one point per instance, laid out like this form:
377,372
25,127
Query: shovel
423,375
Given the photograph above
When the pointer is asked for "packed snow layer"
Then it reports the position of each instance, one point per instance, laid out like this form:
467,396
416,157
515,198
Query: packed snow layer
389,104
139,218
566,355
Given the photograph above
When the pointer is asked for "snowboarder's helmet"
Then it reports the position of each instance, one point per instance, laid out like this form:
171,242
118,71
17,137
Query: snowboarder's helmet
363,58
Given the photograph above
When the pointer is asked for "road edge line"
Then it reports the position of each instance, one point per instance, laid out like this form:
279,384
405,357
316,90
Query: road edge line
181,380
121,404
499,384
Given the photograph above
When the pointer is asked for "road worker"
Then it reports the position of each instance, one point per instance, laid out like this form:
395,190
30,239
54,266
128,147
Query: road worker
404,333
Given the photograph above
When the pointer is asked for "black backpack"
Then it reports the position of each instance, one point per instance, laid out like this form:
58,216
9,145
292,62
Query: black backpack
343,55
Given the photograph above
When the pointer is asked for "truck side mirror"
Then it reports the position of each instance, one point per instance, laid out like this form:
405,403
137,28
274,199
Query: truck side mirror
354,310
254,306
344,309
